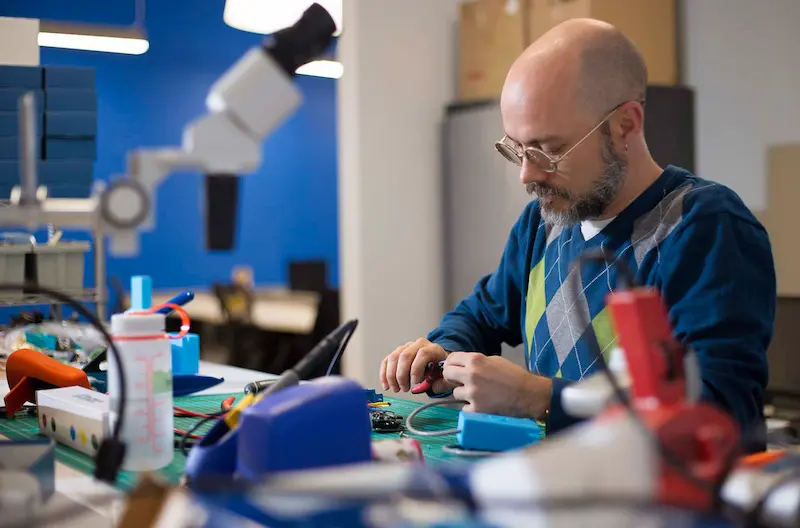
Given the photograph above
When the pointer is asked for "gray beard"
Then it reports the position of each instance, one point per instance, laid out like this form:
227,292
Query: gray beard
594,202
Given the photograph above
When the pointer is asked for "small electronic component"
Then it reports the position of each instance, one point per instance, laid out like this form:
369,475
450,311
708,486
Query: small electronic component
373,396
386,422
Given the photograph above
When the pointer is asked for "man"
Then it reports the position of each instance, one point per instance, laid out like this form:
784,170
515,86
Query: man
573,111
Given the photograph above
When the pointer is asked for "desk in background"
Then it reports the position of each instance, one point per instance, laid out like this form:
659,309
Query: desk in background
283,324
274,309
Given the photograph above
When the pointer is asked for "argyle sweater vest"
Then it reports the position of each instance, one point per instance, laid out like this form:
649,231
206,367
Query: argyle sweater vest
692,239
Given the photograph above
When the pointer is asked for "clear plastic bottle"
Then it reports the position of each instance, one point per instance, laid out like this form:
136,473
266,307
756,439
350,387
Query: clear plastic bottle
147,363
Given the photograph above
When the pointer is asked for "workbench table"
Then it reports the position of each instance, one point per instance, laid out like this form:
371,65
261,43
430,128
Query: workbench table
73,469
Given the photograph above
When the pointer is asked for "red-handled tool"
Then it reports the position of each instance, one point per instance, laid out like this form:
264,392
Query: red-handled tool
433,372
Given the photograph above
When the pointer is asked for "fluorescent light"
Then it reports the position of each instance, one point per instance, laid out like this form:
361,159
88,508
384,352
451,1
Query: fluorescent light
268,16
322,68
127,40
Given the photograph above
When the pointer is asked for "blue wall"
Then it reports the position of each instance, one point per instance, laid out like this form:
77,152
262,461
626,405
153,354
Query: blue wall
289,208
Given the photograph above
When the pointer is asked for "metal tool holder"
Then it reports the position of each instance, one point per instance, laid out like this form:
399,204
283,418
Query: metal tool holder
59,266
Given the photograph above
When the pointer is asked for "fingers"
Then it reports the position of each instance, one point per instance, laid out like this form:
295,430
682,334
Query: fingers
461,359
464,394
388,369
425,355
395,372
404,361
442,386
382,375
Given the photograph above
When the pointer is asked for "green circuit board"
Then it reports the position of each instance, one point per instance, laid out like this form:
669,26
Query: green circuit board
24,427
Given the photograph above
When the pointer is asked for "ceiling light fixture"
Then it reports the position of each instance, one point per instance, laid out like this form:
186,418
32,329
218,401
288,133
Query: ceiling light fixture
130,40
268,16
127,40
322,68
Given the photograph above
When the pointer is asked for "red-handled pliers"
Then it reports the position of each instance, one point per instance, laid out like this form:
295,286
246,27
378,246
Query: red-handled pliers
433,372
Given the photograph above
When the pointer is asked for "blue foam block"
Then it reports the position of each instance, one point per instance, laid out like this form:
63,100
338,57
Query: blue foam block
489,432
9,124
70,124
283,431
186,354
9,99
68,77
141,292
21,77
70,100
66,172
70,149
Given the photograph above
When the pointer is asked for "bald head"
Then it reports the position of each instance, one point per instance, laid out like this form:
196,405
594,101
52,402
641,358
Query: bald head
557,105
590,61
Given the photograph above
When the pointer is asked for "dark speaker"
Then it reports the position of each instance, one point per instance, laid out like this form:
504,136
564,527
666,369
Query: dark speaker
308,275
669,125
222,211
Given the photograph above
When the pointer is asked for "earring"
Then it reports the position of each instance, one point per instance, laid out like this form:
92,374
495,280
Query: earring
626,147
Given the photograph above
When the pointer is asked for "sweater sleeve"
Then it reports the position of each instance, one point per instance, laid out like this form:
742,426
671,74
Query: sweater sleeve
718,278
491,315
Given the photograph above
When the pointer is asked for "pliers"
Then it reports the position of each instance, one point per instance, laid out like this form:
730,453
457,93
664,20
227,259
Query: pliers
433,371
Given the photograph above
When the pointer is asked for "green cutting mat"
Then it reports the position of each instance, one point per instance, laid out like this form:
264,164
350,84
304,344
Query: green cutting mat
24,427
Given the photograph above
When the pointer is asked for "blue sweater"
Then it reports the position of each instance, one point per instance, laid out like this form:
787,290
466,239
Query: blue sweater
692,239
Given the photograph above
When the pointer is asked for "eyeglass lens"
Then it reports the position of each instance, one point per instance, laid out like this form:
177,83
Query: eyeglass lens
538,158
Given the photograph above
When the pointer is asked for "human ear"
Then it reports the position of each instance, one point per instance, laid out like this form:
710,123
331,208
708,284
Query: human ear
629,121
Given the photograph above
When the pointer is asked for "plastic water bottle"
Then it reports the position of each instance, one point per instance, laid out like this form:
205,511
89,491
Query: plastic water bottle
147,363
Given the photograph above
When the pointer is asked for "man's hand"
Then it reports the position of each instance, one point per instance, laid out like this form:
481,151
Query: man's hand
494,385
405,367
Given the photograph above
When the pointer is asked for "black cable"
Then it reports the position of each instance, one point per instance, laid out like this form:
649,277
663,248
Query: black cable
184,441
341,349
666,453
338,338
329,344
112,450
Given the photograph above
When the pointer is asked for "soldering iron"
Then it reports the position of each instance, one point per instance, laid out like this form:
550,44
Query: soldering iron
331,344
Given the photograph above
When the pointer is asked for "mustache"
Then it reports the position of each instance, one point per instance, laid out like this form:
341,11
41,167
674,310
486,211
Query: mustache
544,191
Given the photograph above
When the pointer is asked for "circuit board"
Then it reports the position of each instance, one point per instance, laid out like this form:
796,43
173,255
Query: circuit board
24,427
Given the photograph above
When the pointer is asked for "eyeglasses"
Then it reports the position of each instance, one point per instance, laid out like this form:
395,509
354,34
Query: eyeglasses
541,160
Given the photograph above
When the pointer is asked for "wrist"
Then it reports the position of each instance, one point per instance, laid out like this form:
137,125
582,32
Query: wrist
535,397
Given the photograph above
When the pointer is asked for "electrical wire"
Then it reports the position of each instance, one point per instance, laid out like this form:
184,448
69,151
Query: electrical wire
341,348
180,412
472,453
112,450
182,432
413,430
184,441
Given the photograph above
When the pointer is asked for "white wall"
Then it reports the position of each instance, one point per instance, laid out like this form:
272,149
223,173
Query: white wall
743,58
19,44
399,73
